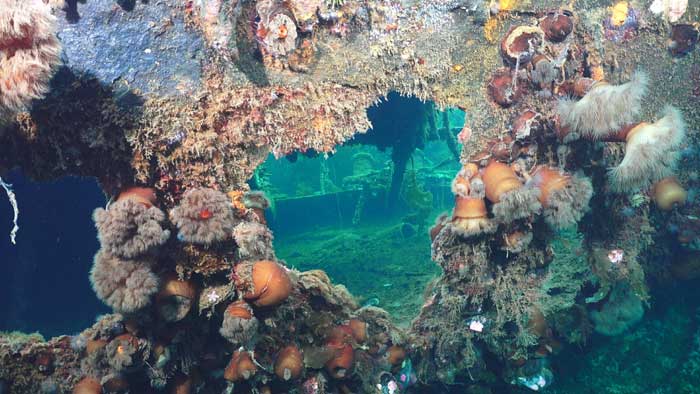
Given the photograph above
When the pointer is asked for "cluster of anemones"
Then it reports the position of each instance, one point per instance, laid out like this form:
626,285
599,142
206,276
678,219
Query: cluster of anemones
522,50
561,198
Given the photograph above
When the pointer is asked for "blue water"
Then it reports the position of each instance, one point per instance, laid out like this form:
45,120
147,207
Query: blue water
43,278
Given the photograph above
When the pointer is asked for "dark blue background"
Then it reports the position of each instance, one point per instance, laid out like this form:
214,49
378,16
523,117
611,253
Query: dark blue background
44,284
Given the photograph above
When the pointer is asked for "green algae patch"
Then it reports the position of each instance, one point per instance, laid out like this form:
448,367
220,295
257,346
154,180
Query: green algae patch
388,265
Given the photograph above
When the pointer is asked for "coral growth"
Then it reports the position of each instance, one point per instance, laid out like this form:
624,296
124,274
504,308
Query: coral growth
651,152
605,109
204,216
29,53
124,285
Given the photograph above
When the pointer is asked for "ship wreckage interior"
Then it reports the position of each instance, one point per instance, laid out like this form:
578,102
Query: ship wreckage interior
349,196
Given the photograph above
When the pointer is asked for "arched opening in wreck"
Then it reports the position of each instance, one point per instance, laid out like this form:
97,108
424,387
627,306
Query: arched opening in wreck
362,214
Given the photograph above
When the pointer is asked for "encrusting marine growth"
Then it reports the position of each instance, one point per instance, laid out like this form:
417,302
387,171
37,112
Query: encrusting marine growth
29,53
533,259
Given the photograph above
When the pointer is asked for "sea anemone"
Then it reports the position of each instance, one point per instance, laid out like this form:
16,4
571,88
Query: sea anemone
516,241
241,367
512,200
470,217
395,355
683,39
239,325
520,44
124,354
340,343
88,385
526,125
175,298
461,182
128,228
271,284
276,31
258,202
605,108
503,88
557,25
29,53
564,197
254,241
289,363
544,72
203,216
359,330
668,193
651,152
125,285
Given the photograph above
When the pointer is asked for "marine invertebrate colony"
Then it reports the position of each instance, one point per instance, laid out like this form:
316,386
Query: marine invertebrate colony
227,312
605,109
29,53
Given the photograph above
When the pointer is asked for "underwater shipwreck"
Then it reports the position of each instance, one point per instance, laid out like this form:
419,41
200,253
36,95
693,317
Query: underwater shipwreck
543,155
